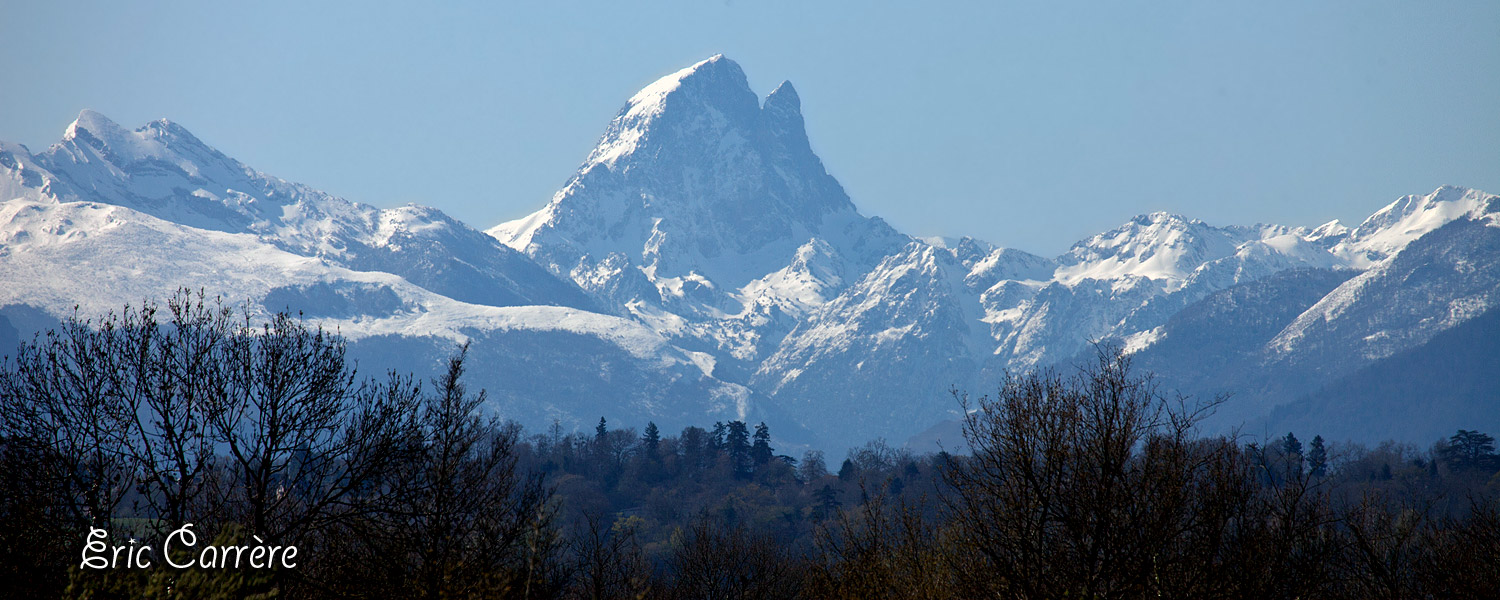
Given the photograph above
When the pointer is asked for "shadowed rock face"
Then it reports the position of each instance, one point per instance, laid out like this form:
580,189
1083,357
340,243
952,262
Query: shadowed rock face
1418,395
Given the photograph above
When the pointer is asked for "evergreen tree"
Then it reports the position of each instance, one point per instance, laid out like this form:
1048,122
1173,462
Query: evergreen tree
761,452
716,439
847,471
1291,452
1317,457
737,444
600,446
651,439
1290,445
696,447
1468,450
827,503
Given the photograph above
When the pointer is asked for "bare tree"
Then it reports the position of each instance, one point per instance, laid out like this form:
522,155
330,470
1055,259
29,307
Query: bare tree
880,550
167,378
303,440
1084,486
608,564
462,519
711,563
59,402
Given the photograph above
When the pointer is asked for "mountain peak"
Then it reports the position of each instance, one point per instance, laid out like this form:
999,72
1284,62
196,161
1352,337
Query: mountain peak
1332,231
1158,245
679,101
94,133
784,97
782,117
715,73
1162,217
95,124
167,128
697,180
1391,228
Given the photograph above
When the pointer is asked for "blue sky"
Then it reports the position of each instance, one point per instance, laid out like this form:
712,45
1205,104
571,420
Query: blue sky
1029,125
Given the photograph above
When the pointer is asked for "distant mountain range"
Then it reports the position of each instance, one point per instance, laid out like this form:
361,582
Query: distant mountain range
703,265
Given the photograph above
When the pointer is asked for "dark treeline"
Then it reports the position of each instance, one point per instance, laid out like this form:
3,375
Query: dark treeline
1094,484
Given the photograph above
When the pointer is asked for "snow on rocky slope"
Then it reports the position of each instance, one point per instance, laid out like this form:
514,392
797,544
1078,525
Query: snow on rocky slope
703,264
162,170
110,216
1434,269
882,355
704,189
1439,268
705,211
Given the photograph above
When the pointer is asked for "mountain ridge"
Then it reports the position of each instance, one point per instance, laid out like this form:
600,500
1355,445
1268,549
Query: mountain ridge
703,249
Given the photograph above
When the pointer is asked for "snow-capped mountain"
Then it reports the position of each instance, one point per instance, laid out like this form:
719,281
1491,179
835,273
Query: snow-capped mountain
1429,281
882,354
702,264
1277,339
162,170
705,190
1392,228
111,216
704,210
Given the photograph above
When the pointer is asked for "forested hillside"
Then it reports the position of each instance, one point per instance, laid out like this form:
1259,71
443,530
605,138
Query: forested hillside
1096,484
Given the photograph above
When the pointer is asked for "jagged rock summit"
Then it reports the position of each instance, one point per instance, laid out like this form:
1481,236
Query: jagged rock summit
702,265
696,190
110,216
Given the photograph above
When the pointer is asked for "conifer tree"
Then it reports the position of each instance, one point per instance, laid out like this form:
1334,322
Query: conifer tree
761,452
847,471
601,443
1317,457
737,443
1291,452
1290,445
696,447
716,438
827,503
1468,449
651,439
